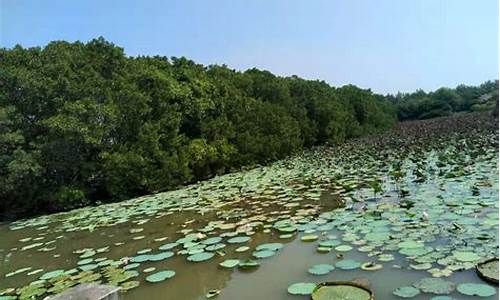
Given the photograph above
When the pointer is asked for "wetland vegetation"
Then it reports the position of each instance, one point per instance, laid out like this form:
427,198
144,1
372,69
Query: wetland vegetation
412,210
83,124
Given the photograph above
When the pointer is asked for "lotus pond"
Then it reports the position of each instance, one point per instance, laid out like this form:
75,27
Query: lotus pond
412,211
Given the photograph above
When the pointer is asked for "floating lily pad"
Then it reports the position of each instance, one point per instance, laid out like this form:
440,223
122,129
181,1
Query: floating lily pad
301,288
269,246
248,264
410,244
51,274
309,238
149,270
287,229
161,256
323,249
213,240
129,285
340,290
263,253
85,261
88,253
488,270
241,249
423,266
238,240
466,256
22,270
215,247
347,264
168,246
131,266
202,256
406,292
343,248
320,269
377,236
144,251
435,286
229,263
371,266
31,291
386,257
476,289
160,276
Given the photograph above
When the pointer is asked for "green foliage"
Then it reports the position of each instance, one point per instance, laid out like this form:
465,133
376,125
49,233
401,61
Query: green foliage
84,123
444,101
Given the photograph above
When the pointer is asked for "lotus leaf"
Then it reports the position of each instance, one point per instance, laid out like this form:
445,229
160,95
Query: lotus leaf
466,256
160,276
200,256
320,269
263,253
343,248
406,292
301,288
229,263
344,292
476,289
238,239
347,264
435,286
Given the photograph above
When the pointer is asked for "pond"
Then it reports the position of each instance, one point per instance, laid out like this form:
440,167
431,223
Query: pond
413,215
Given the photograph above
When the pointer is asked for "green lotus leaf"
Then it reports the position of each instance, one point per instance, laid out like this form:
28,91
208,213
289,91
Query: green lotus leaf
406,292
51,274
301,288
371,266
343,248
263,253
347,264
466,256
168,246
435,286
410,244
160,276
238,240
242,249
202,256
269,246
309,238
344,292
212,240
248,264
129,285
488,270
476,289
229,263
320,269
131,266
215,247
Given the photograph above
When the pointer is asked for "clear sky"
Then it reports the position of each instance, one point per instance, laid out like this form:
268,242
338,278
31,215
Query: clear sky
385,45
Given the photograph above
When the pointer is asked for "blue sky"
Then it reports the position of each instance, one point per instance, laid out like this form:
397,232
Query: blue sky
385,45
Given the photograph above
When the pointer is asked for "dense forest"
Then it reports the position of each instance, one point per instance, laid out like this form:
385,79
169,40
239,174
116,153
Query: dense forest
82,123
446,101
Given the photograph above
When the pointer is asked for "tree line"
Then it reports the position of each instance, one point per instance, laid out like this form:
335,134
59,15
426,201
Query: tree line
82,123
446,101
